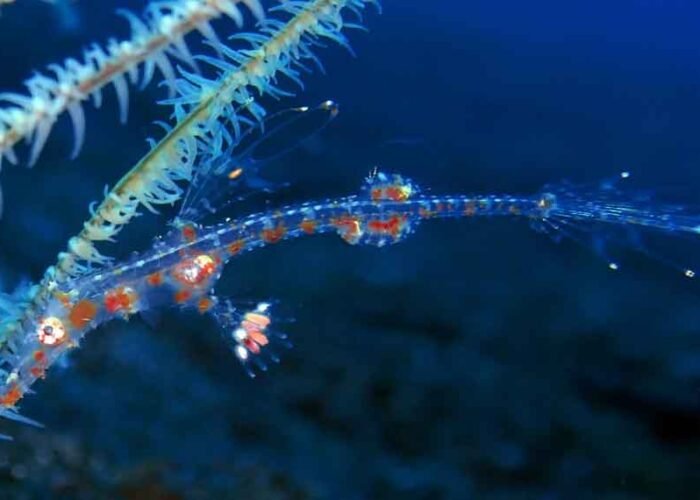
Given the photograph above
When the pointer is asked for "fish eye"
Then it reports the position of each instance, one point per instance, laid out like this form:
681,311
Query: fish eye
51,331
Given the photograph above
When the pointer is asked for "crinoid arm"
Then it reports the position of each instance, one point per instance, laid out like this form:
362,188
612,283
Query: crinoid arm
231,165
252,333
613,220
156,39
281,48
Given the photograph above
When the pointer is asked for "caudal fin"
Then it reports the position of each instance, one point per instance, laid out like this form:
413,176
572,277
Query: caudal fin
612,219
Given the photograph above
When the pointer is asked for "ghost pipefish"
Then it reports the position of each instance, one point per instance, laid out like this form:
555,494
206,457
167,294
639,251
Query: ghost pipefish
182,267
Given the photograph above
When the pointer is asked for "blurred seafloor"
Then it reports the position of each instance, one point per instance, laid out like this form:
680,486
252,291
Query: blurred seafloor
476,360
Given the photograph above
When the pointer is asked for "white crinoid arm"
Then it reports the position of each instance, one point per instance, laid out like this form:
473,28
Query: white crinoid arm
155,38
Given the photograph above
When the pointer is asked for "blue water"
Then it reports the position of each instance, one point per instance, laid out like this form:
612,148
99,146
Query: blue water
477,359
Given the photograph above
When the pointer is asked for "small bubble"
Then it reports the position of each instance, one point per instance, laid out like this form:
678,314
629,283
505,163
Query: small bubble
613,266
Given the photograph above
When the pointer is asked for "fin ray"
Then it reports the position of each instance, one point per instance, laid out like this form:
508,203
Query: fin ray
613,221
251,333
232,163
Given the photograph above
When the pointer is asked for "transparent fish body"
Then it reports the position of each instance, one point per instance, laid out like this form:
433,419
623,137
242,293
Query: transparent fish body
182,268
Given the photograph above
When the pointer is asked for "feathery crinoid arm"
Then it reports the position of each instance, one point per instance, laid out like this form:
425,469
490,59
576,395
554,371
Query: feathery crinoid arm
155,37
281,48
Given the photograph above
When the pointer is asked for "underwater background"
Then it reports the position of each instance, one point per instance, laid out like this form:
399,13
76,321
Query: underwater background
477,359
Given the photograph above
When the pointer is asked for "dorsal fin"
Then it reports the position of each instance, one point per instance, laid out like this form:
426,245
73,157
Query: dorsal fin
230,168
612,220
380,186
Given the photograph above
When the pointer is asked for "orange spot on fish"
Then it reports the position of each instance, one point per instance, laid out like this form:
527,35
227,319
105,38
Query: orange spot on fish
273,235
82,313
155,279
182,296
308,226
392,226
120,299
235,247
397,193
204,304
189,233
11,397
39,369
